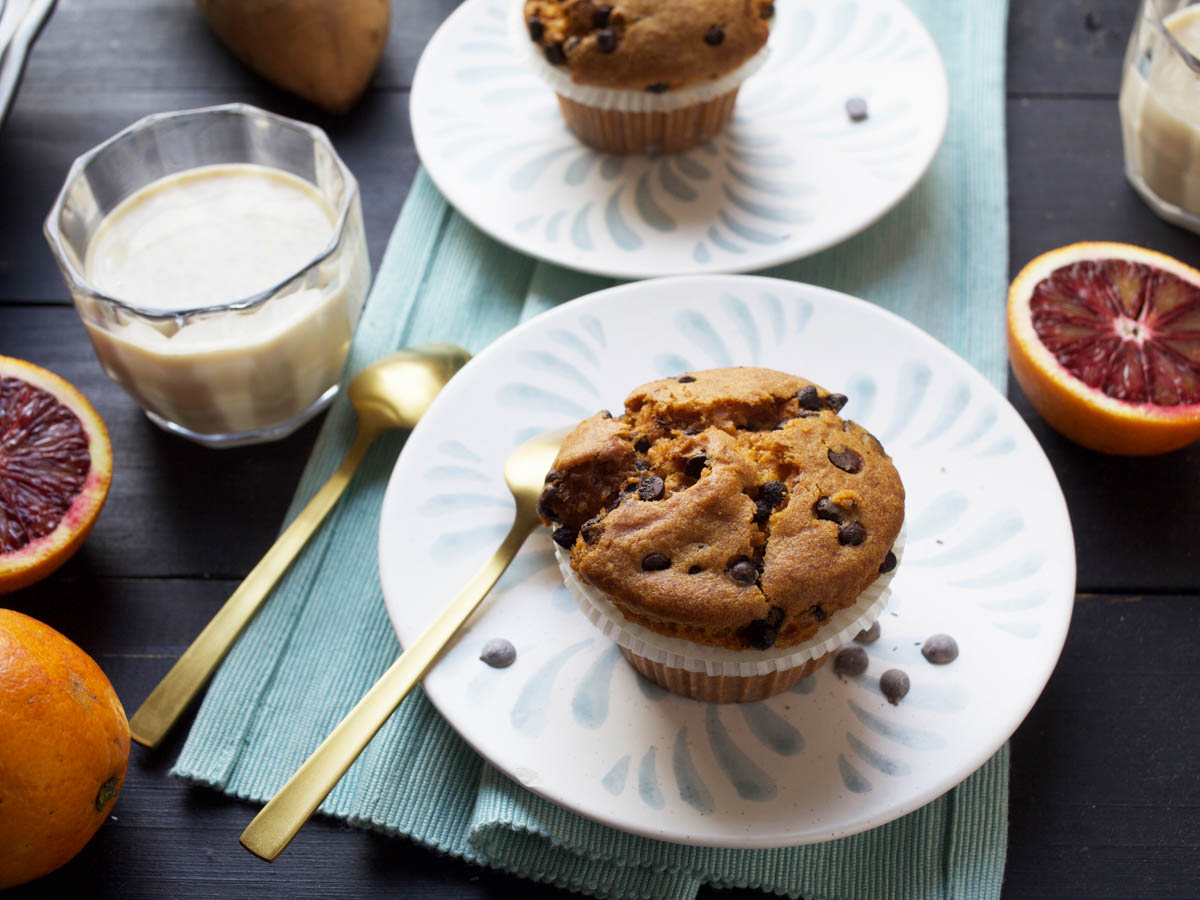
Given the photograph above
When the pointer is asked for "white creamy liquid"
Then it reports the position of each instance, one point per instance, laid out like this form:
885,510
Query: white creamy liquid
210,236
1160,114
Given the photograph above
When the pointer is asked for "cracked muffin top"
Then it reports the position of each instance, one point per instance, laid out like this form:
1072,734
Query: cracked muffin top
652,45
730,507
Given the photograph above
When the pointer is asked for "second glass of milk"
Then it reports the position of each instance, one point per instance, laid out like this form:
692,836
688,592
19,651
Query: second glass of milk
1160,110
218,261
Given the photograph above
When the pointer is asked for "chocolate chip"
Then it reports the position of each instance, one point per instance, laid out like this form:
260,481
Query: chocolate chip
659,87
591,530
555,55
498,653
889,563
940,649
808,398
606,40
641,465
762,512
714,36
536,29
600,16
827,510
767,10
818,612
545,502
655,562
694,467
685,379
691,429
641,445
761,634
565,537
894,684
552,476
695,570
836,401
650,488
571,43
850,662
868,635
742,571
856,109
605,414
851,534
773,492
846,460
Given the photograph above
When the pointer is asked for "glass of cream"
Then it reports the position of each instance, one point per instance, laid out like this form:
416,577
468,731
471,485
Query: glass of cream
1160,110
217,259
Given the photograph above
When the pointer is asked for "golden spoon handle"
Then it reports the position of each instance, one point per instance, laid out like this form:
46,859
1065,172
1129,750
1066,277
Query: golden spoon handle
277,823
159,711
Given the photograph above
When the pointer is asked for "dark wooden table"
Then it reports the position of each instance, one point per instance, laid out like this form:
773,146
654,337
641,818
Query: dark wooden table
1106,769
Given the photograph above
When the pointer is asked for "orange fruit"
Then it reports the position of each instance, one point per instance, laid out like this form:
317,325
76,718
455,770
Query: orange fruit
1105,341
55,469
64,747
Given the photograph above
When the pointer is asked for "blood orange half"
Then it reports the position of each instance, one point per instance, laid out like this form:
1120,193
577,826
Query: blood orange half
55,469
1105,341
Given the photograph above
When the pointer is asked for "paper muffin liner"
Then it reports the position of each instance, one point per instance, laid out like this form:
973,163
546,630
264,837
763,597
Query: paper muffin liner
688,656
620,99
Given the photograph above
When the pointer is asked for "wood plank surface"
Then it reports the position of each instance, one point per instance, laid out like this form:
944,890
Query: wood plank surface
1105,796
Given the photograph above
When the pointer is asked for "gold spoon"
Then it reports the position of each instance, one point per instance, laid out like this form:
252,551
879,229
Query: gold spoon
392,392
277,822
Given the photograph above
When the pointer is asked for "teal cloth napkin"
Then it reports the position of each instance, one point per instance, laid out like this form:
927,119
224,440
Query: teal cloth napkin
939,259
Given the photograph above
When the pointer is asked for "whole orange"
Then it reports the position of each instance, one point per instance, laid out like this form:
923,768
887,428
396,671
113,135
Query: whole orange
64,747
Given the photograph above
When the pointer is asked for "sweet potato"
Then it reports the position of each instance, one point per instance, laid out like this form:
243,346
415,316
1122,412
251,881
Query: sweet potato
322,50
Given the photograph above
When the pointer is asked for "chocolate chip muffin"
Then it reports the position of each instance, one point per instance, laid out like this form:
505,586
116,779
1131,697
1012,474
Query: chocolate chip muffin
636,76
729,508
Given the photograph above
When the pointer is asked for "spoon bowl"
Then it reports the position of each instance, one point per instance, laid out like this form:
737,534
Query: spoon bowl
277,823
392,392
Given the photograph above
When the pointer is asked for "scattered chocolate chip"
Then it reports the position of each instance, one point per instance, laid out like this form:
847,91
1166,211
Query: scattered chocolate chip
762,512
761,634
767,10
685,379
601,16
606,414
536,29
714,36
641,445
551,476
571,43
659,87
851,534
818,612
827,510
498,653
591,530
565,537
555,55
545,508
691,429
850,661
836,401
695,570
808,398
630,488
655,562
694,467
742,571
940,649
641,465
650,488
773,492
606,40
846,460
868,635
894,684
856,109
889,563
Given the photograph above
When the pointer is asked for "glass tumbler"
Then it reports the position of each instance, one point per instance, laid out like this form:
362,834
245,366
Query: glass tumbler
1160,109
234,372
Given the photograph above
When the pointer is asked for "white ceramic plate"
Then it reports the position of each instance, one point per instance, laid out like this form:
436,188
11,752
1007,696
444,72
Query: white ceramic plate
989,560
791,175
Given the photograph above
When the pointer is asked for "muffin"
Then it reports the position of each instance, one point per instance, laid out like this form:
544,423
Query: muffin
729,530
638,76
